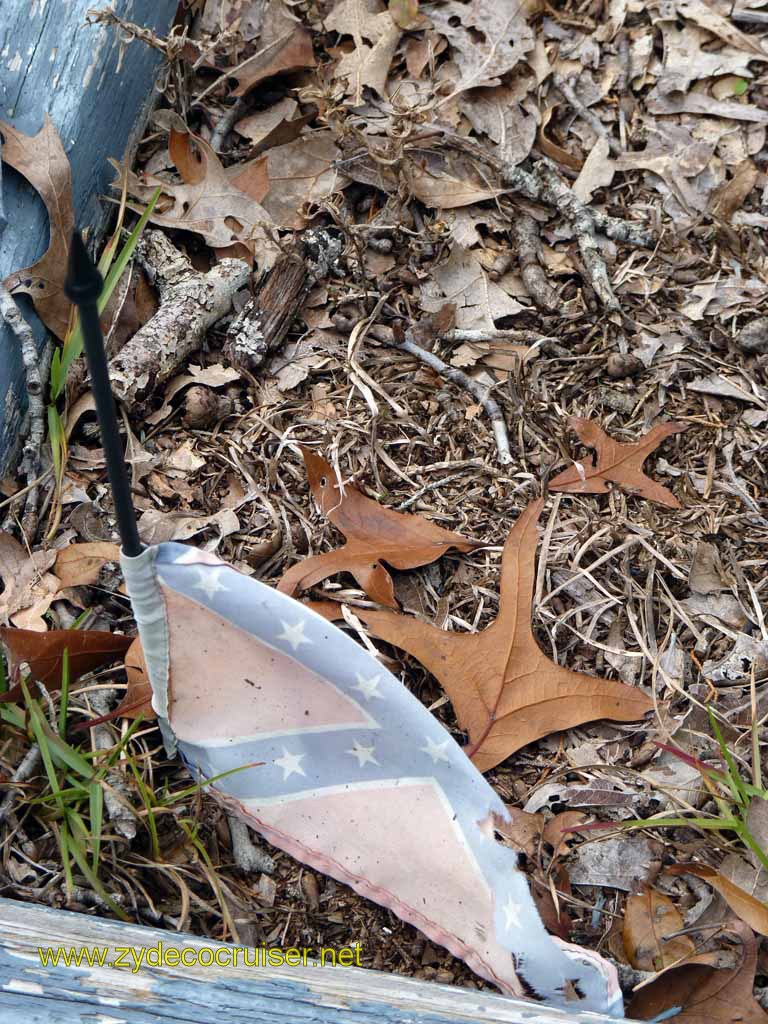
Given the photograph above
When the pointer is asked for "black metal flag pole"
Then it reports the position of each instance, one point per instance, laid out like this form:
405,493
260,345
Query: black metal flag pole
83,287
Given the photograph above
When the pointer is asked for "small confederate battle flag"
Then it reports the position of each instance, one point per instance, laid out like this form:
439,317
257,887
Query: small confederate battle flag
357,778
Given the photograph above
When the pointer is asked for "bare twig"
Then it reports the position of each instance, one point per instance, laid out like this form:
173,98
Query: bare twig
434,486
474,387
35,429
525,232
518,337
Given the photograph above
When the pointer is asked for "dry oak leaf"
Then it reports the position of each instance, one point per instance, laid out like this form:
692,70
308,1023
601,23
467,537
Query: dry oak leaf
284,45
212,201
28,587
746,906
42,161
367,64
374,533
89,649
487,38
506,692
651,922
705,994
301,173
444,184
79,565
618,463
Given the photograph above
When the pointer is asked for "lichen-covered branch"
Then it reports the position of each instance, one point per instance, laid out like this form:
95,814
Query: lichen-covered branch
190,303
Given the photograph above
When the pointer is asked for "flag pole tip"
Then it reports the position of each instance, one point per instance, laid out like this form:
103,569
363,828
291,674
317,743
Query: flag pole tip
84,282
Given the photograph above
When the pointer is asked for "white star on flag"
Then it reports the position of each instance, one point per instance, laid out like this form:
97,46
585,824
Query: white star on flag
368,687
512,914
209,582
436,751
293,635
290,763
364,755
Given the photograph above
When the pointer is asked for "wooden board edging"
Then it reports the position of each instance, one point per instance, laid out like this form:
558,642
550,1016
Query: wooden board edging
33,994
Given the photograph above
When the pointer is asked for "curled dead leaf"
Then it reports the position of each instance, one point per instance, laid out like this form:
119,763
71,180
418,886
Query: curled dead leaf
374,533
751,910
42,161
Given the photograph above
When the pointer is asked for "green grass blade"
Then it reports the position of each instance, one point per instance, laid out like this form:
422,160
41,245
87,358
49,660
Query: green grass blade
147,798
13,715
734,781
173,798
58,440
64,697
96,809
63,837
61,750
78,855
35,721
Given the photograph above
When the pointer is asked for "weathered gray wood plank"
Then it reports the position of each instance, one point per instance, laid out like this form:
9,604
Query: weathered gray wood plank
32,994
52,62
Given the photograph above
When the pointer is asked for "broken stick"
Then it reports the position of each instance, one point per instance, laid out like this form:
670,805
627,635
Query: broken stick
264,321
190,303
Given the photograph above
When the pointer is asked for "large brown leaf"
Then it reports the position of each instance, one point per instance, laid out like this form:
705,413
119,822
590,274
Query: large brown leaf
42,161
284,45
621,464
706,995
216,202
375,534
505,691
89,649
375,34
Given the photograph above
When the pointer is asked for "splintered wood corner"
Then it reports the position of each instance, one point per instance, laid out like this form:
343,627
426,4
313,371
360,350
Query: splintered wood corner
33,994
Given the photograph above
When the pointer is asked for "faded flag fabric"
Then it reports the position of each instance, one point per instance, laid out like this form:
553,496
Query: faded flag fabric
357,778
